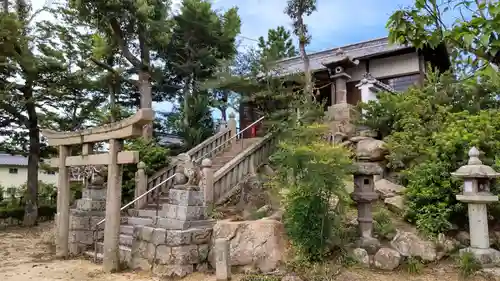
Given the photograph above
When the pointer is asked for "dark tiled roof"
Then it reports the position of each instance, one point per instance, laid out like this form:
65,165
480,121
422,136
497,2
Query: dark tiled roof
355,51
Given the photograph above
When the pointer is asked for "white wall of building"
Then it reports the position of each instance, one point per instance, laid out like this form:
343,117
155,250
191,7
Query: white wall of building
9,179
387,67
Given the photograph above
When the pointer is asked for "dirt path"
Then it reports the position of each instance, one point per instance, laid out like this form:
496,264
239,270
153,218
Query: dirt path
26,254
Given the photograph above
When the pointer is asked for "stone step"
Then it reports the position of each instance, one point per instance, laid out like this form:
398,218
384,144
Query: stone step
124,251
140,221
148,213
126,240
169,223
127,229
92,256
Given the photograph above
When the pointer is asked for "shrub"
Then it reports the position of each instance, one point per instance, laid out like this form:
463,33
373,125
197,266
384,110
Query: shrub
309,171
468,264
383,224
429,132
152,154
17,213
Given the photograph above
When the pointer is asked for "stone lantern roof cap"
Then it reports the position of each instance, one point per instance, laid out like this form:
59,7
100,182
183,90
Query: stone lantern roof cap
475,168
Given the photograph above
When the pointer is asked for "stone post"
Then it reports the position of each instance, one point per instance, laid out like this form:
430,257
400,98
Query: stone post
111,259
207,182
63,200
340,113
231,124
141,185
476,193
222,260
367,88
364,194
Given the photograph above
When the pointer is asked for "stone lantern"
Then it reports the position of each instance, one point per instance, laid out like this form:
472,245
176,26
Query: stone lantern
476,193
364,194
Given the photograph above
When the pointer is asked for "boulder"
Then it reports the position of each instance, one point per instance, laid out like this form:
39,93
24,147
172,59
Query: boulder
371,149
388,189
387,259
396,204
445,245
361,256
410,245
258,244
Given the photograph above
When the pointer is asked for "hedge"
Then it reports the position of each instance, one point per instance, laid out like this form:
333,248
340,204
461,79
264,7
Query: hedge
17,213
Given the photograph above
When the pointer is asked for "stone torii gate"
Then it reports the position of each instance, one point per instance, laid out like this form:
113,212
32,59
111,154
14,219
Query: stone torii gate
113,133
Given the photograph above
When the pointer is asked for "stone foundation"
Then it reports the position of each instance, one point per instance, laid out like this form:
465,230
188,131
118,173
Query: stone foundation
180,242
81,224
170,253
90,209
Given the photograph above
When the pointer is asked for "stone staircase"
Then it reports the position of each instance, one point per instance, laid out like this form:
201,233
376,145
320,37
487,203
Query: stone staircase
169,215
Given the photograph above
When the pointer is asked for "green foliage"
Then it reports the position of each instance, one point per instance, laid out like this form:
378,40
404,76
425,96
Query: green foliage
473,38
468,264
309,171
429,132
17,213
278,45
200,124
383,224
154,156
413,265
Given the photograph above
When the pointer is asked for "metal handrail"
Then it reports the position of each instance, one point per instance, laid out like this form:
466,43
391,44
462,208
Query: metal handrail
228,140
96,229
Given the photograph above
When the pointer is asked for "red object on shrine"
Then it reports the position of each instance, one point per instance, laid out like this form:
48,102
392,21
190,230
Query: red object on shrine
253,132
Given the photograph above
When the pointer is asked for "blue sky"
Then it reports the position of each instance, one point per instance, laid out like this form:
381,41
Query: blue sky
335,23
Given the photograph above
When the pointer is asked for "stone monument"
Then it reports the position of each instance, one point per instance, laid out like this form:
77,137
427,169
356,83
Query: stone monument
364,194
476,193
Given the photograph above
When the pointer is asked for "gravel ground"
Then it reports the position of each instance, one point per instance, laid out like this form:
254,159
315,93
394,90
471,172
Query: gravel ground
27,254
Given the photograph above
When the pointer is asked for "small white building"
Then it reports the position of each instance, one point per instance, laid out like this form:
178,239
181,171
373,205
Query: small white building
14,172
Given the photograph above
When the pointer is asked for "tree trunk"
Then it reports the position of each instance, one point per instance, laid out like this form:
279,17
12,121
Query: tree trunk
31,208
308,89
186,93
146,100
6,6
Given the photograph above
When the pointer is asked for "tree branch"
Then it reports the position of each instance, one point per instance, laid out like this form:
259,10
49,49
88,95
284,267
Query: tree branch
118,34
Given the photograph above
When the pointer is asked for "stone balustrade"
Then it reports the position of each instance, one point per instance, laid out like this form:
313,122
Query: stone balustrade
244,164
210,145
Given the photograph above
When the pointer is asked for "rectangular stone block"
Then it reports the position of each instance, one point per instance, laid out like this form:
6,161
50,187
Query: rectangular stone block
185,197
187,254
79,223
342,112
146,233
178,237
94,194
151,213
222,260
163,255
184,212
159,236
169,223
90,205
201,235
170,271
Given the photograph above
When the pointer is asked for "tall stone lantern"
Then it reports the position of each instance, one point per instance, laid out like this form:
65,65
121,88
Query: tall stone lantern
364,194
476,193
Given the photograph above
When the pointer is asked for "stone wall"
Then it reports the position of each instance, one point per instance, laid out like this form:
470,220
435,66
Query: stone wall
81,225
90,209
168,252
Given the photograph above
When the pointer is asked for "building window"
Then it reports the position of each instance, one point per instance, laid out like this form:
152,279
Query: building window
402,83
50,172
12,170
